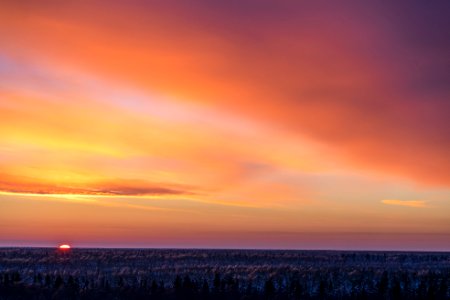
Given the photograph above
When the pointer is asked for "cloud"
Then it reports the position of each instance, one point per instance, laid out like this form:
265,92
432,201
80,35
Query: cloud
117,187
351,75
409,203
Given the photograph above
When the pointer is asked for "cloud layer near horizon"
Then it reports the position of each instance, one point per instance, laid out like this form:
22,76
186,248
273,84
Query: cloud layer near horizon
117,187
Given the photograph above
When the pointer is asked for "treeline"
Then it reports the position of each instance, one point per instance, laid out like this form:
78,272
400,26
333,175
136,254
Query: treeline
43,273
55,286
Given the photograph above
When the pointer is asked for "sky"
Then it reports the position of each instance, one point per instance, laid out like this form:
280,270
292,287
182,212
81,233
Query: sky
225,124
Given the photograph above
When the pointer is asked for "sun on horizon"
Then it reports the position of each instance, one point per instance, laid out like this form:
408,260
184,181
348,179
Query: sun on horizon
64,247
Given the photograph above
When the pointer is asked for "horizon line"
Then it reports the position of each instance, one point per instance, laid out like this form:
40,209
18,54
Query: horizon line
230,249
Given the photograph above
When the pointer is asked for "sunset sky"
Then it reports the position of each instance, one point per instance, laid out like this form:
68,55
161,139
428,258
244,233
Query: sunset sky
225,124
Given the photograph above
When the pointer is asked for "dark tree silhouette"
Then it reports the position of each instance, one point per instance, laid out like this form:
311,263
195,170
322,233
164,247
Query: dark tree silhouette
269,289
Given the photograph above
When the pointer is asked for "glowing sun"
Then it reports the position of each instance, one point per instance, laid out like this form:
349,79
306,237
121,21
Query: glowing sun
64,247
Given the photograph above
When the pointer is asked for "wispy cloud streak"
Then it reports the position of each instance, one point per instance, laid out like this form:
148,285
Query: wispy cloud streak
409,203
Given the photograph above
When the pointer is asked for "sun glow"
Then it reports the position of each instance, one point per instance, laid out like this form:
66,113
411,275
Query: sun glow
64,247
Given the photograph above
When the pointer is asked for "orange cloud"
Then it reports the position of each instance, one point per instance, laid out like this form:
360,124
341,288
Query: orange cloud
409,203
118,187
305,68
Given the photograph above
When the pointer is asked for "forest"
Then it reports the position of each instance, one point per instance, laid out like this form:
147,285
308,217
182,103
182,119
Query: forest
45,273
